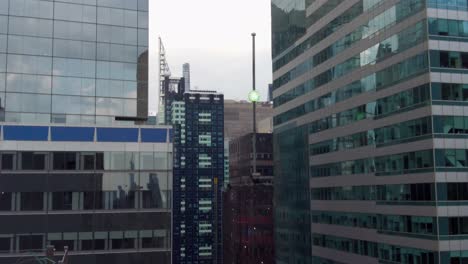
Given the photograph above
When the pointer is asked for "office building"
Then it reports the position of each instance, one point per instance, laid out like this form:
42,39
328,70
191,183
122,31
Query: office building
238,121
270,92
369,131
238,118
75,169
265,125
248,202
198,177
105,192
80,62
174,89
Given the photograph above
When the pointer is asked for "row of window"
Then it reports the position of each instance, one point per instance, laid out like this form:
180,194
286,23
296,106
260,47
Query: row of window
451,158
390,253
461,5
40,65
68,104
394,44
41,8
396,134
79,13
58,29
397,192
448,27
343,118
85,241
376,81
341,143
412,162
41,118
390,134
403,163
423,225
449,91
449,59
26,83
86,161
70,49
154,197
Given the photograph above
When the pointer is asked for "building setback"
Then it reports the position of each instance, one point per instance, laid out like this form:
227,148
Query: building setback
198,177
370,127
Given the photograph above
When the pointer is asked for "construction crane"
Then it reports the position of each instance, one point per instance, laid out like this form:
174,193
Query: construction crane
164,72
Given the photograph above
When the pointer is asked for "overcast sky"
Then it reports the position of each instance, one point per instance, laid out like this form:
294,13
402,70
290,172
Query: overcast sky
214,37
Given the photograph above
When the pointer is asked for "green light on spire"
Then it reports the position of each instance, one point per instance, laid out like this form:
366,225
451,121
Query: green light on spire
254,96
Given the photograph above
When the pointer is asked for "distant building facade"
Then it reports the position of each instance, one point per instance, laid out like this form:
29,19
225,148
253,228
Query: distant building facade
248,203
238,119
186,75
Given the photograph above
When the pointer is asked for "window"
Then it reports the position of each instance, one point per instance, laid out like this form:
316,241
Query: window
31,242
87,245
99,161
8,161
5,244
100,239
33,161
87,161
64,161
61,244
123,240
5,201
93,200
32,201
62,201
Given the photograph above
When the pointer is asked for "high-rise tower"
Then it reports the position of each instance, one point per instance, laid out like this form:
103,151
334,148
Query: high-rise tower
198,177
186,75
370,131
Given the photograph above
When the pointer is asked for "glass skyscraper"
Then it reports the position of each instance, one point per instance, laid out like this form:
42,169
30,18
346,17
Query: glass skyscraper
371,157
73,61
75,170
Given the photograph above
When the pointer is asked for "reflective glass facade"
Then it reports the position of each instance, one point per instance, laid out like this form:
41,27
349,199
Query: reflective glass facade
71,173
107,198
370,131
73,62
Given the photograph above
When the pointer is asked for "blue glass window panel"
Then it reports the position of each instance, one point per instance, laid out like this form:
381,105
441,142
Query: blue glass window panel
153,135
81,134
117,134
26,133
